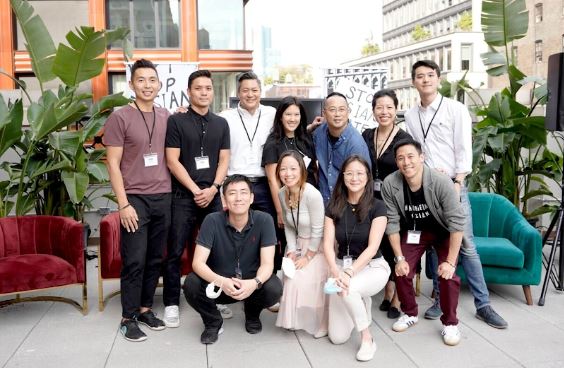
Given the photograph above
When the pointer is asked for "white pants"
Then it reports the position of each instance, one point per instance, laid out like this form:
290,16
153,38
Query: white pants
354,310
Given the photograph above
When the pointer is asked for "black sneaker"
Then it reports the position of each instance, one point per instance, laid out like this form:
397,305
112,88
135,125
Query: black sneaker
131,331
150,320
210,335
253,325
488,315
393,313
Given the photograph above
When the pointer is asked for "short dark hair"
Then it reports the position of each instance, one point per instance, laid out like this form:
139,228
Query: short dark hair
429,64
408,142
143,63
236,178
383,93
247,76
197,74
333,94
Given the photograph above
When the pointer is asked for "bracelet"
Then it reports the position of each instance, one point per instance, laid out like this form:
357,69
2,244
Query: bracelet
349,274
453,266
124,207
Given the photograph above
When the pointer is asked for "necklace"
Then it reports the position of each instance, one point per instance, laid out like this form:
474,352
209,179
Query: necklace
293,203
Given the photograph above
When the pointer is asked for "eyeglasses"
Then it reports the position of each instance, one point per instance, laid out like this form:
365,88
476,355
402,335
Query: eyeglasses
340,110
350,174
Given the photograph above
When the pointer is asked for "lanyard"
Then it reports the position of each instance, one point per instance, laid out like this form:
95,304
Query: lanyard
425,133
244,127
147,125
294,145
382,151
202,133
236,248
296,223
348,238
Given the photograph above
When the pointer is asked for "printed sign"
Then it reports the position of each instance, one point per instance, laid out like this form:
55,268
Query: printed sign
174,79
359,97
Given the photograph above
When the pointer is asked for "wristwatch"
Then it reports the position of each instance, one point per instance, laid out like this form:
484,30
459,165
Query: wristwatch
398,259
259,283
217,186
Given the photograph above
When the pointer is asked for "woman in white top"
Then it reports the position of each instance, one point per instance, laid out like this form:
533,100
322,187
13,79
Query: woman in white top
303,303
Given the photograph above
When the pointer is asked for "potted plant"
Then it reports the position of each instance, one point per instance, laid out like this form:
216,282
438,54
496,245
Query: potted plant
55,169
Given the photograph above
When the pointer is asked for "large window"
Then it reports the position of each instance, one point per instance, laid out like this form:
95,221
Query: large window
220,24
153,23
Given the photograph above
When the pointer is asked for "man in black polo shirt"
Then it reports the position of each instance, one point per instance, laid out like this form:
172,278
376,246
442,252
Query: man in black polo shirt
197,153
235,252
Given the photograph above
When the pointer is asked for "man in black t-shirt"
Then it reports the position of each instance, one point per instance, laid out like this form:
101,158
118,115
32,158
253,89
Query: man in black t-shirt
235,252
197,153
423,211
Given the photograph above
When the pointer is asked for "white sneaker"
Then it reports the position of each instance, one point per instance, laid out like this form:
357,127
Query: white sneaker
451,335
366,351
404,322
225,311
171,316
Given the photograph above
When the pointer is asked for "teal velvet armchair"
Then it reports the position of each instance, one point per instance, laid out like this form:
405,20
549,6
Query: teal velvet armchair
509,247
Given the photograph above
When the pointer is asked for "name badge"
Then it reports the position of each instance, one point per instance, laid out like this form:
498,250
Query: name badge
307,161
253,158
202,162
413,237
347,262
150,159
377,185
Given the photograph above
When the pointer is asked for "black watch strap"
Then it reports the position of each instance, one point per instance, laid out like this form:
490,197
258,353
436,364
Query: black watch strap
259,283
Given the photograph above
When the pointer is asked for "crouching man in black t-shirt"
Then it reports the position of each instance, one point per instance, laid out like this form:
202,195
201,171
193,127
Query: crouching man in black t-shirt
235,253
423,210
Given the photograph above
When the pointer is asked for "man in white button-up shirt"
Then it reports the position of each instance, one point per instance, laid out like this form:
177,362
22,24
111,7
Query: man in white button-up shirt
444,128
250,123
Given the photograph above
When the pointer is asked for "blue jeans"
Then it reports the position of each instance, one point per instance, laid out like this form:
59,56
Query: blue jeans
469,259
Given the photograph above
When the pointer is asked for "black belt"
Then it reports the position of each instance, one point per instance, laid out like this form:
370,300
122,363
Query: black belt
257,179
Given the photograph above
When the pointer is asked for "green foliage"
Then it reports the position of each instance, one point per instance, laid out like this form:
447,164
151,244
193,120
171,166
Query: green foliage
301,74
370,48
465,22
510,152
55,169
419,33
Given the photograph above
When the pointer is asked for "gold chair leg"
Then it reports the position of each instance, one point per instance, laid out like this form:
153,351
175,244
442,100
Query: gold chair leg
418,284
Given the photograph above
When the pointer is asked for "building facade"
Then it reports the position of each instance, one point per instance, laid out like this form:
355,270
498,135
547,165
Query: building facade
209,32
446,31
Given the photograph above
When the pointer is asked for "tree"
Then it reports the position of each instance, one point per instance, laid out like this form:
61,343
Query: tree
370,47
419,33
465,22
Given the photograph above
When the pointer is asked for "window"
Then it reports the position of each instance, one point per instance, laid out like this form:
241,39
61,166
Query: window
538,13
515,55
466,57
153,23
220,25
538,51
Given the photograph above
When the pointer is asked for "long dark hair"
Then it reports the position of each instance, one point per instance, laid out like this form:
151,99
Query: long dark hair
300,133
340,193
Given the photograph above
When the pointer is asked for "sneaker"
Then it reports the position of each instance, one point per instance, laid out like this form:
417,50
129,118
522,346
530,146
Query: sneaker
321,333
393,313
385,305
171,316
225,311
210,334
274,308
366,351
451,335
434,311
488,315
131,331
150,320
253,325
404,322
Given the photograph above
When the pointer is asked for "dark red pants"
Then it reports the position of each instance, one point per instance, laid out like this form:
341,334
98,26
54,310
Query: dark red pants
449,289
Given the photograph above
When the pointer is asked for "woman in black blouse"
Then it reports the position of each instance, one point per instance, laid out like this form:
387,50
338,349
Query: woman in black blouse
357,221
288,133
380,142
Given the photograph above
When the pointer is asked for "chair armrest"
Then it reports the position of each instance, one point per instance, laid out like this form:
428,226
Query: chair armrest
529,240
70,244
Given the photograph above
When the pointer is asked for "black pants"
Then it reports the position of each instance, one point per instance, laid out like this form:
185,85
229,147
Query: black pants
186,216
142,251
263,202
195,292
